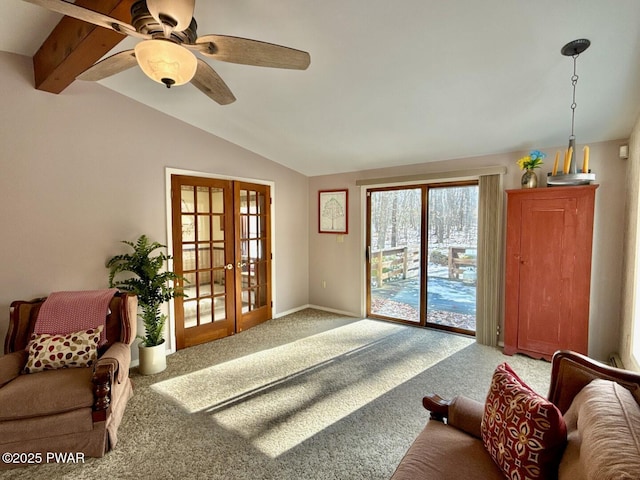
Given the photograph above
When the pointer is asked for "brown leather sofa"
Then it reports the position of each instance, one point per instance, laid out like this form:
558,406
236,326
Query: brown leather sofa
75,410
450,446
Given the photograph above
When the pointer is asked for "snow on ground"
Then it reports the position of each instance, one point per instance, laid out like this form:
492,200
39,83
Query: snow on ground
449,302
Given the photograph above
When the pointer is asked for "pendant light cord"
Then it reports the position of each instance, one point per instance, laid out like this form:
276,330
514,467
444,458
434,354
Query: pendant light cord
574,81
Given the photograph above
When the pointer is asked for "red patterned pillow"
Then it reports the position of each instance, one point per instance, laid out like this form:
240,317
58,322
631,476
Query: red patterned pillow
50,352
524,433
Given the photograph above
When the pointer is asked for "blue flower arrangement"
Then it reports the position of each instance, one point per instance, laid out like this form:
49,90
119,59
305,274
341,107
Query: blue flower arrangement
531,161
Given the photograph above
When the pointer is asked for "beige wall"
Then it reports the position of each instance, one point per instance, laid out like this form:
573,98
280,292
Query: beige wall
341,265
82,170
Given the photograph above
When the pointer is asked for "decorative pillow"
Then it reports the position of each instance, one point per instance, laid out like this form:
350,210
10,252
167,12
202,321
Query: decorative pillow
523,432
50,352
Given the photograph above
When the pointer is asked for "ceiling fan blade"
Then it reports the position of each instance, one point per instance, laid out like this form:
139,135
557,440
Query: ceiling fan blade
84,14
210,83
117,63
251,52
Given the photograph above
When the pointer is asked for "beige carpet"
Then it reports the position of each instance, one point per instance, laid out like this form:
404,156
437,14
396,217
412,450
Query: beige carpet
309,396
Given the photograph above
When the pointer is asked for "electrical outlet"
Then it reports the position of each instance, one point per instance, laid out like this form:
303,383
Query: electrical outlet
324,284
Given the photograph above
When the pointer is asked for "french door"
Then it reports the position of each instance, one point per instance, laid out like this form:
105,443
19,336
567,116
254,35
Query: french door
222,248
421,254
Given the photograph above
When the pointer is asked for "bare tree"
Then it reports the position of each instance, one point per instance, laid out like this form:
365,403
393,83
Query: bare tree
396,216
333,210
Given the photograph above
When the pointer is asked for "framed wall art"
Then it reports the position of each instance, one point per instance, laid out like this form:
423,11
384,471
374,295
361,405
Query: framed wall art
333,211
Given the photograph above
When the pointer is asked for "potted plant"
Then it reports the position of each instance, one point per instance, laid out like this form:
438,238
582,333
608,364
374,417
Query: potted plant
153,287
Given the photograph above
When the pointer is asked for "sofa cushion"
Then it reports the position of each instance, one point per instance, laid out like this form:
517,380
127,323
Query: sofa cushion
437,452
51,352
25,429
523,432
603,424
46,393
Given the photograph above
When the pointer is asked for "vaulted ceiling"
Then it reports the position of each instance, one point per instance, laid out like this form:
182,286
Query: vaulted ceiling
390,83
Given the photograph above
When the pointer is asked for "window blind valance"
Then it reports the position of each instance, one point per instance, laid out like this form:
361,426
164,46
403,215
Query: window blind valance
466,174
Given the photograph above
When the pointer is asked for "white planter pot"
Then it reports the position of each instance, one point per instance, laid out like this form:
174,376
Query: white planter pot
152,359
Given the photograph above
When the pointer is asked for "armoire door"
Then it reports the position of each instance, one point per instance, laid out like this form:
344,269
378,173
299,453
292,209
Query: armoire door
548,269
221,246
548,247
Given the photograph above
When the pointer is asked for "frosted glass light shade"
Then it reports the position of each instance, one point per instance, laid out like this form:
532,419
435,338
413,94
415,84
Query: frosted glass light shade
166,62
181,11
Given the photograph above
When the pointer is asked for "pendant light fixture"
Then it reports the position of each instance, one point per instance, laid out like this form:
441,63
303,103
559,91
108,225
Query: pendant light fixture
568,173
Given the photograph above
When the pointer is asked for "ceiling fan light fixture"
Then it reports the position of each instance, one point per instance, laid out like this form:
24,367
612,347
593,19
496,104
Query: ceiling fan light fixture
180,12
166,62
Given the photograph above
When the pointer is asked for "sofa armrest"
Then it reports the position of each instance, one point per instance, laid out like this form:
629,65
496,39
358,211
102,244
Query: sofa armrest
462,413
572,371
102,380
11,366
437,406
112,366
118,357
466,414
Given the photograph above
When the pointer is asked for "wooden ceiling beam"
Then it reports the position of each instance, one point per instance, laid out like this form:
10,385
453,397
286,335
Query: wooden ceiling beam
74,45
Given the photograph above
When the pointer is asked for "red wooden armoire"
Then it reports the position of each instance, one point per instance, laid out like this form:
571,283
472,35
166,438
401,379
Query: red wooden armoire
548,269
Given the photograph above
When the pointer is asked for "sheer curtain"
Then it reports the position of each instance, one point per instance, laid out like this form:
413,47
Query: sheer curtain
489,281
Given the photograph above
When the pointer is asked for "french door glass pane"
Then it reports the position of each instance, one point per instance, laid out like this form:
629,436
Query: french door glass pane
395,253
204,256
205,311
217,200
203,200
204,228
186,199
452,249
204,283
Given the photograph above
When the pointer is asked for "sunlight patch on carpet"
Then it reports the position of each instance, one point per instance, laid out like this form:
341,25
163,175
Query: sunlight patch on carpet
281,397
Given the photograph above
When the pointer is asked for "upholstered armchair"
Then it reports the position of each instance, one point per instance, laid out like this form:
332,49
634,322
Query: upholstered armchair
68,409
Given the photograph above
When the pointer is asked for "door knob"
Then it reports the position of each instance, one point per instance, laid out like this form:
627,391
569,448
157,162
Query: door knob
241,264
229,266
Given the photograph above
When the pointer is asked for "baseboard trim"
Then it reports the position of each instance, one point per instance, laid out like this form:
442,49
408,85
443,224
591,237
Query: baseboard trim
293,310
333,310
615,361
315,307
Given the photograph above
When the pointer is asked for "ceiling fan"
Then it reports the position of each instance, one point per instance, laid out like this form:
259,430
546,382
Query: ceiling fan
165,54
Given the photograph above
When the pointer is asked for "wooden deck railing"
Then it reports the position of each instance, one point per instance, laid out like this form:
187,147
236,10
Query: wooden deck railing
401,263
395,264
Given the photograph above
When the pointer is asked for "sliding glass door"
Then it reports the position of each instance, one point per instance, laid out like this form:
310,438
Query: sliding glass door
395,253
421,254
452,250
